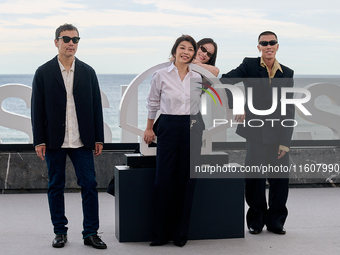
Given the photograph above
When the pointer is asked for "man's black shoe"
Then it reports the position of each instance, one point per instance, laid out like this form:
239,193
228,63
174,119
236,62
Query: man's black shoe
95,242
279,231
59,241
180,243
254,231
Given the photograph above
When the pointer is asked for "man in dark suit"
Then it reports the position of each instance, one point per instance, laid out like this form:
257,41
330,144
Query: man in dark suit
268,137
67,119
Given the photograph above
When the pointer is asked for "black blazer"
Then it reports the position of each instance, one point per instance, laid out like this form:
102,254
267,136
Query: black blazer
48,104
262,100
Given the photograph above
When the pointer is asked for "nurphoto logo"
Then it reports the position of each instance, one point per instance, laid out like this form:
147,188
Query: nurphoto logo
213,90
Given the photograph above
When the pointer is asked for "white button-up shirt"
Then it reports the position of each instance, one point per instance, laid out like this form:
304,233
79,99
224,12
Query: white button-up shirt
171,95
72,135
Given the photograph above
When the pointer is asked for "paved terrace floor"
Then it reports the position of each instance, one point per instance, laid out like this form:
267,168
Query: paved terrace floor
313,227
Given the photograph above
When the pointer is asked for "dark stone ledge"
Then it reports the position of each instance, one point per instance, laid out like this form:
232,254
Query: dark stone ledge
25,172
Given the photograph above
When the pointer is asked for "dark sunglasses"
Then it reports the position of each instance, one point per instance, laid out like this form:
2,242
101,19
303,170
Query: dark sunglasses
67,39
204,50
265,43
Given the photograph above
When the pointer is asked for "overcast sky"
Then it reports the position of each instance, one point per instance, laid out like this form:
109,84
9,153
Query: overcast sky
129,36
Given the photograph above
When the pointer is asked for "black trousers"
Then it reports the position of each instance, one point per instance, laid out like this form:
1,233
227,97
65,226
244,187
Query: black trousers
259,213
173,186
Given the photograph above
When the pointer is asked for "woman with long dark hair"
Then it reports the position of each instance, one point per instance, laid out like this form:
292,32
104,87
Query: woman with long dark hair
206,55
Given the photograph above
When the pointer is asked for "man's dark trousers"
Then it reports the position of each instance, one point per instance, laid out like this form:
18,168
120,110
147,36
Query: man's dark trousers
83,163
259,155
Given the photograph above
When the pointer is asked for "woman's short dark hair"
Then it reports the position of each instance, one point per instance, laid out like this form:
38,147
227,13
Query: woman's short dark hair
212,60
65,27
187,38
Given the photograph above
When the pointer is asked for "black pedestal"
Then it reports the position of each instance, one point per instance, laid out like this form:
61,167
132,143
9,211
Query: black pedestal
217,210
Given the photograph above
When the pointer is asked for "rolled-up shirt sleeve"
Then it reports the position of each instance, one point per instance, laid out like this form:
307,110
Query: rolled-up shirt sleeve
154,98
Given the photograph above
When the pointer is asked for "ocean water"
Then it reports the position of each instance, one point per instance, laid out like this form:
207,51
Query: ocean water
110,84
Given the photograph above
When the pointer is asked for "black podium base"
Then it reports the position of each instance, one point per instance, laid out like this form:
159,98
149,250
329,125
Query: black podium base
217,210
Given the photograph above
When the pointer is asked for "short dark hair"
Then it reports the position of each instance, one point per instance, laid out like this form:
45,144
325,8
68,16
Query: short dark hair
65,27
266,33
203,41
187,38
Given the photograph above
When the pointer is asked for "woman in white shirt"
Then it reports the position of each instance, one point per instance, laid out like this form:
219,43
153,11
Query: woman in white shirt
174,92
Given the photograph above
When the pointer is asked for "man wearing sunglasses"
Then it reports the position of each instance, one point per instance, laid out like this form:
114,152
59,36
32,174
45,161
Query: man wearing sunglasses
67,119
267,145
